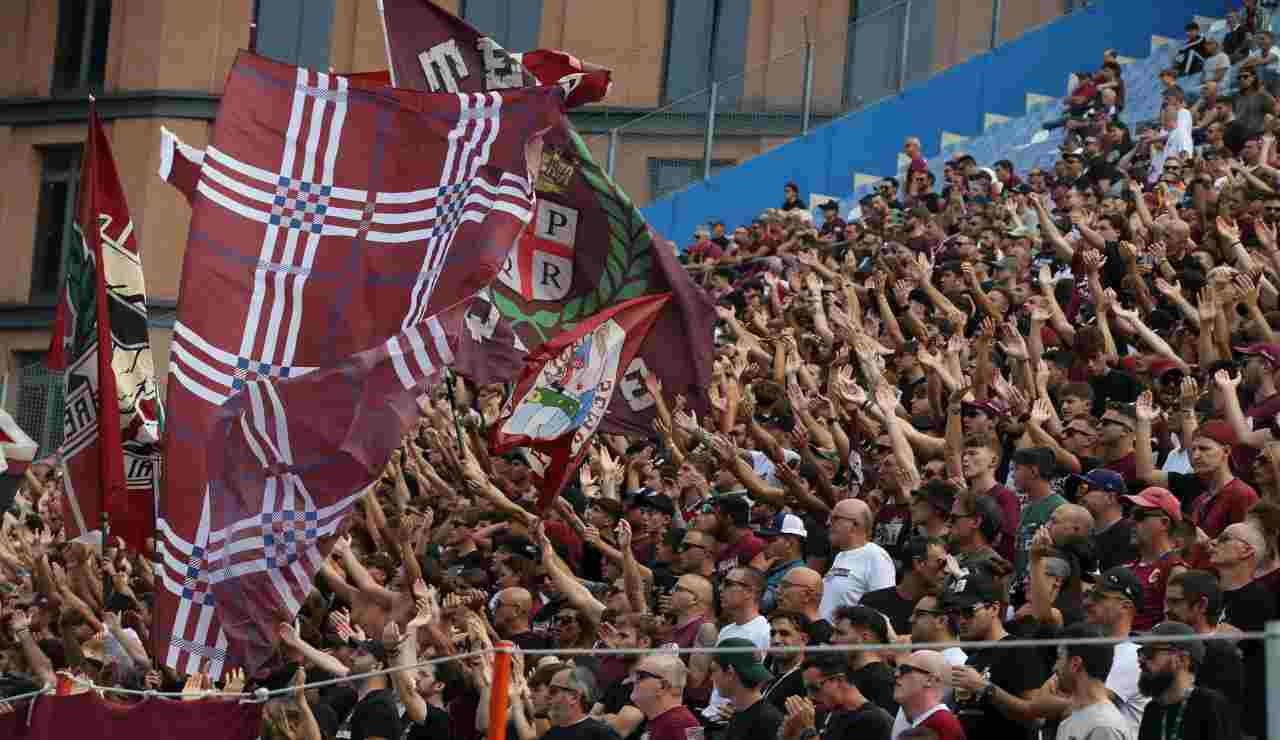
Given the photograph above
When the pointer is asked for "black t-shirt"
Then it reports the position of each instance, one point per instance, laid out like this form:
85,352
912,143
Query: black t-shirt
617,696
1015,670
1115,545
875,681
820,631
784,687
1250,608
531,641
587,729
376,716
434,727
1205,715
1223,671
760,720
890,603
867,722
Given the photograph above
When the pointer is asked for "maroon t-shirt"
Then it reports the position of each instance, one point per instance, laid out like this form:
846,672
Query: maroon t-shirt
739,553
1126,466
945,724
1213,512
1154,576
1008,501
677,723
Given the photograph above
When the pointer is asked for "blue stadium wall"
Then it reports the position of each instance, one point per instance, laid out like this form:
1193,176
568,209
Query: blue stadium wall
954,100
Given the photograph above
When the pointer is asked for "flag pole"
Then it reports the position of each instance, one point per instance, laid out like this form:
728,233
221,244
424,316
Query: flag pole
453,407
253,28
106,481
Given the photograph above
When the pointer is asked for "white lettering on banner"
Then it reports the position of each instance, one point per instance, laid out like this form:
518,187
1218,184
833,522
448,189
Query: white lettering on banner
633,388
501,71
104,220
443,66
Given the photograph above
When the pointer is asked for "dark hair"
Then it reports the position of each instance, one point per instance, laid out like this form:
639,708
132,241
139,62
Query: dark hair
828,664
801,622
987,510
1201,584
1077,389
917,548
1097,658
865,617
758,581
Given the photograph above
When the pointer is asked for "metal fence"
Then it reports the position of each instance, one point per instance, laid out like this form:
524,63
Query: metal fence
40,405
821,74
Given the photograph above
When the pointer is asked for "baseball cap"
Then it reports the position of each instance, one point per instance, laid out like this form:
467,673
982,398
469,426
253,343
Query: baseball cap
929,661
1178,629
746,664
784,524
975,585
658,502
1219,431
1268,352
1155,497
1104,480
1121,580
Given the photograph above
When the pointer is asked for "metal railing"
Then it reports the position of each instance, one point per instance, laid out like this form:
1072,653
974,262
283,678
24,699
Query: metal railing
821,75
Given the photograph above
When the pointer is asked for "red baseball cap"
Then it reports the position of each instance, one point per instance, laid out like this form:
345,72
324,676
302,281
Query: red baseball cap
1154,497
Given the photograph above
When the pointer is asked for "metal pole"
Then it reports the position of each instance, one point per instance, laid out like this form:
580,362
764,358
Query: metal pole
613,149
995,23
711,132
1272,647
902,63
806,105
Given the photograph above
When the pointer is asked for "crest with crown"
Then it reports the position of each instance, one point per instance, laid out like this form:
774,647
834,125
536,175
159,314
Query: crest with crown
556,172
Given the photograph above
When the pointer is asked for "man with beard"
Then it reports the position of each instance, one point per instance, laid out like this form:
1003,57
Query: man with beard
976,522
790,630
1081,670
893,521
624,632
375,716
784,550
925,563
696,554
511,618
570,694
733,527
1116,442
1194,598
657,688
690,610
1179,708
862,625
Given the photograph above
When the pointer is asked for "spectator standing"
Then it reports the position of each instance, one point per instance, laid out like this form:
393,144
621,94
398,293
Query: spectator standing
657,691
1155,513
740,677
925,570
1081,671
569,695
850,715
921,678
860,566
1194,598
1179,708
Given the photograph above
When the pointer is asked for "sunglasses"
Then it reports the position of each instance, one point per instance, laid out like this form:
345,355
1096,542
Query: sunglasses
813,688
638,676
967,612
907,670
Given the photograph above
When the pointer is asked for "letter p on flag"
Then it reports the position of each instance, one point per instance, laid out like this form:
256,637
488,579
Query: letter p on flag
540,268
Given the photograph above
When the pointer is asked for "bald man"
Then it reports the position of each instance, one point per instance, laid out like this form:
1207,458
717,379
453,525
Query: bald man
800,591
860,565
1070,520
512,608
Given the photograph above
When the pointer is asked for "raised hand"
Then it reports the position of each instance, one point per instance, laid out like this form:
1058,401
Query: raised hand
1189,393
1093,261
1169,290
887,398
1225,382
1041,411
235,681
623,533
1228,229
1145,407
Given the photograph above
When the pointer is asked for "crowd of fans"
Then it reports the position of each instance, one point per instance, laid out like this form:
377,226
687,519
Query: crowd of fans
1006,406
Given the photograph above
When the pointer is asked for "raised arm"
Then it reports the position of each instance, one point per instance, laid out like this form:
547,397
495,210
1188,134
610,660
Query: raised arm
1143,457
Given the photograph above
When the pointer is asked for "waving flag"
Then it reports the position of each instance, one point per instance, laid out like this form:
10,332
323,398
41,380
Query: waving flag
331,218
17,450
111,418
588,247
568,386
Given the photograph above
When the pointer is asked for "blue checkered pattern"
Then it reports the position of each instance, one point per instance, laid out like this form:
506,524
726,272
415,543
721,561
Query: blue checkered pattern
300,205
286,533
248,371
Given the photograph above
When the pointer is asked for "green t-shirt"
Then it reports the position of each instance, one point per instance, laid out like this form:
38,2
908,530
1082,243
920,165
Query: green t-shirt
1035,515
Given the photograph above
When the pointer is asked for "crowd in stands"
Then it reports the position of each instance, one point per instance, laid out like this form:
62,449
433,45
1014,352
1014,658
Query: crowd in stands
1037,405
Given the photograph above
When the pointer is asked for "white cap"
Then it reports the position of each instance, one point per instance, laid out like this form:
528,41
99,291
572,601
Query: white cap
792,524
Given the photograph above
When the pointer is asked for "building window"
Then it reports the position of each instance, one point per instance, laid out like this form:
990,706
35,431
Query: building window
706,41
670,175
81,60
514,25
55,217
39,401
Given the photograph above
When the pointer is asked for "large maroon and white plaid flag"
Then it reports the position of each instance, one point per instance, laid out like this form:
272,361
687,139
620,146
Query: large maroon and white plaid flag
330,219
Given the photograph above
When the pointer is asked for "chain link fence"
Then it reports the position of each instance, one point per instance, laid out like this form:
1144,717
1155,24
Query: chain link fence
40,405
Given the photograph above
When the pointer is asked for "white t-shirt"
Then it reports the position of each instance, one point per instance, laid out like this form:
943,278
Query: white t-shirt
1123,680
901,725
1212,64
854,573
1099,721
760,634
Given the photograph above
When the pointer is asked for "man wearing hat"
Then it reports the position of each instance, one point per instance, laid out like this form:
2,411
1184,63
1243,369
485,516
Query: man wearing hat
1217,497
993,687
1033,469
1179,708
783,551
741,677
922,677
1100,491
1155,511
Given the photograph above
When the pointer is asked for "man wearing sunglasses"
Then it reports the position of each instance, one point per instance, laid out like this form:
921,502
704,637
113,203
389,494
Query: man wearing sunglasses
921,678
1155,510
1116,440
850,715
1247,606
657,690
740,677
1179,708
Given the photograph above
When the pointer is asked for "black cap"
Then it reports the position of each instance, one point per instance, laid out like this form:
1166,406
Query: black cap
1121,580
658,502
1195,648
517,545
976,585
